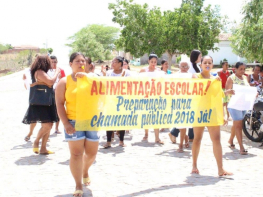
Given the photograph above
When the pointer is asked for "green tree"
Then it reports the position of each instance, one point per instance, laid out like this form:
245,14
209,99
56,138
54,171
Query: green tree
5,47
176,32
50,50
94,41
247,39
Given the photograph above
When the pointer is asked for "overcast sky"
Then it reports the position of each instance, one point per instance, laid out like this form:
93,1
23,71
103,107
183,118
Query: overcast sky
34,22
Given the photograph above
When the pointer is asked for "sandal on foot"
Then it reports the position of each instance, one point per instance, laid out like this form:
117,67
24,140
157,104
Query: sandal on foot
232,146
186,145
78,193
180,150
196,171
47,153
86,181
57,132
145,138
122,145
244,152
159,142
106,146
36,150
226,174
27,138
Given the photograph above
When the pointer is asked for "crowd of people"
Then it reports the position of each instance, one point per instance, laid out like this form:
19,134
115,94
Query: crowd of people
83,145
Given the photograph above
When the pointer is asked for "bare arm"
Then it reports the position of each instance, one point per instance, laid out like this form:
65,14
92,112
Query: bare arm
248,80
60,101
43,77
142,70
229,86
194,76
24,78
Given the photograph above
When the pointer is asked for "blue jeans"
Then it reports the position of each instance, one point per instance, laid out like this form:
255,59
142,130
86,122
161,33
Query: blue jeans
176,131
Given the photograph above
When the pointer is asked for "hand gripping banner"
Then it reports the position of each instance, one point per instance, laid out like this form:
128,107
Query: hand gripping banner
118,103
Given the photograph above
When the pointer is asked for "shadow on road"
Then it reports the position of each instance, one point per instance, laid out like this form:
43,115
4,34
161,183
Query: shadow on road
235,155
25,146
145,143
173,153
32,160
191,181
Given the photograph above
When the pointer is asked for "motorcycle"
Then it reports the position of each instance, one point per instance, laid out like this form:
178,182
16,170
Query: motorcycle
253,122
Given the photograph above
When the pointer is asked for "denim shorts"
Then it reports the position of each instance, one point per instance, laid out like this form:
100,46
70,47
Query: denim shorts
237,114
80,135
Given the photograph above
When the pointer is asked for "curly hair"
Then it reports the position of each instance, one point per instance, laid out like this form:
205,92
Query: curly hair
42,62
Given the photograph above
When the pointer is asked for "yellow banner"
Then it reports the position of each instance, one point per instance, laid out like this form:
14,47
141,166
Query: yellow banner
118,103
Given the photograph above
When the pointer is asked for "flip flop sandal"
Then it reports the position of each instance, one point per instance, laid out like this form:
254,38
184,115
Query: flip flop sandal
57,132
36,150
232,146
159,142
47,153
145,138
244,152
106,146
78,193
186,145
86,181
27,138
180,150
225,174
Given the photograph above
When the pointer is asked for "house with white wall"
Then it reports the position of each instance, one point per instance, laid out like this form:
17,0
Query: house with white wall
225,51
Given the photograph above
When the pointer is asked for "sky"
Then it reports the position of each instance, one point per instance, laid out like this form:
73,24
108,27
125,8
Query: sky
50,22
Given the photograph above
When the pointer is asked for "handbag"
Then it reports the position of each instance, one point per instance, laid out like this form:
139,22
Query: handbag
40,94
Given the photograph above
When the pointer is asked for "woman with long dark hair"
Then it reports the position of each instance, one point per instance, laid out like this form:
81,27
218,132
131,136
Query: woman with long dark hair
195,58
46,115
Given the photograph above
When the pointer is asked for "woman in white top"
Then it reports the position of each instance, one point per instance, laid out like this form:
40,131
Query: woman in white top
195,58
117,71
153,58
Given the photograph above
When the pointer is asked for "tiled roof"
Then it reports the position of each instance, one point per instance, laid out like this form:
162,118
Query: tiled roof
224,36
25,47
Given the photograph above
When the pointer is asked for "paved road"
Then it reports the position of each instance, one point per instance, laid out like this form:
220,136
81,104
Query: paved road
141,169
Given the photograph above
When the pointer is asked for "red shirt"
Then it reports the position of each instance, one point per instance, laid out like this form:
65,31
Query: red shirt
224,77
62,72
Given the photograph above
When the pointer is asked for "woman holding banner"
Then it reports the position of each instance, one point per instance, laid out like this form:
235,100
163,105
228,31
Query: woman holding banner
117,71
237,115
152,70
83,145
214,131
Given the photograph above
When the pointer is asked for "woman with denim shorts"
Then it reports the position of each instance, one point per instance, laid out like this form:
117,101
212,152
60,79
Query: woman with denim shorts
83,145
237,115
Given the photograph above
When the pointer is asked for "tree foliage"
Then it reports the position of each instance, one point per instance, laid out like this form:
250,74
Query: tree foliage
247,39
50,50
94,41
5,47
145,30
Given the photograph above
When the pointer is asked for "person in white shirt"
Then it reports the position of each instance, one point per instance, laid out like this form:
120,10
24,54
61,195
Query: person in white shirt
153,58
27,81
117,71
